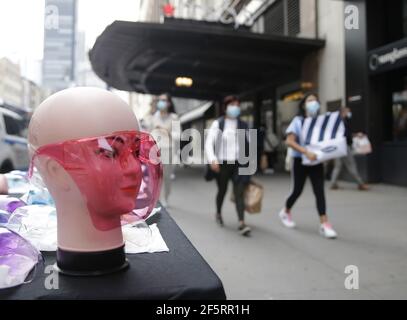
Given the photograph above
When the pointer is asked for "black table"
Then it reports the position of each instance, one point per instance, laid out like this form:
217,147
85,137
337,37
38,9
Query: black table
181,273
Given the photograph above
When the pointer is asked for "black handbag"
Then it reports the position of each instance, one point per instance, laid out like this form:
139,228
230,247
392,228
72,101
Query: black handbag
209,173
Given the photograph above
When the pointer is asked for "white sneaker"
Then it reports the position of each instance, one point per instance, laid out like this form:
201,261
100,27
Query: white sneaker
286,219
327,231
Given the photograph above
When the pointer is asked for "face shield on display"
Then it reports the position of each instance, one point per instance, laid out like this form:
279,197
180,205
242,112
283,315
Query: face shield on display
7,206
4,217
17,259
10,204
117,174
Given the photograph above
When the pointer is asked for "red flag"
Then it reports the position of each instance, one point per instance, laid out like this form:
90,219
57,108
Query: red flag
169,10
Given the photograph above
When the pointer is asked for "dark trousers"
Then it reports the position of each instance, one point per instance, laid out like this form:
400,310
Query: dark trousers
229,172
271,159
299,174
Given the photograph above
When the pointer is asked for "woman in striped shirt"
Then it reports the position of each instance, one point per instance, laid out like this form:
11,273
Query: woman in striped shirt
309,107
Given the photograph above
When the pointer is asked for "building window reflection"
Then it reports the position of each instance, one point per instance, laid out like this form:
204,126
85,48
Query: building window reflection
400,116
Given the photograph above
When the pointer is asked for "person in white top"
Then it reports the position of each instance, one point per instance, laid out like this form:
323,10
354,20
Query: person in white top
222,151
146,121
163,124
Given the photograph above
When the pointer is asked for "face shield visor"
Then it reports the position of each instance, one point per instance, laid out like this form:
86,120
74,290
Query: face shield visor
17,259
117,174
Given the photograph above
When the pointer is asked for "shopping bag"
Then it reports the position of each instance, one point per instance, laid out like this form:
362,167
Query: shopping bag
323,135
253,197
326,150
288,160
209,173
361,145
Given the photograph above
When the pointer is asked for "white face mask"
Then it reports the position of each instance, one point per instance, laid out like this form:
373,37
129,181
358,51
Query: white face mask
312,107
162,105
233,111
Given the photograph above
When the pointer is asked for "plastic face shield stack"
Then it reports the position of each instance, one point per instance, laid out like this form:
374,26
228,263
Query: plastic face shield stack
17,258
117,174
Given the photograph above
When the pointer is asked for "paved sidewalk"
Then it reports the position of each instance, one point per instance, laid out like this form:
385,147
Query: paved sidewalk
277,263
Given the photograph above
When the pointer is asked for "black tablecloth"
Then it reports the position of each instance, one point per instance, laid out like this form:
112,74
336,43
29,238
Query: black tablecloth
181,273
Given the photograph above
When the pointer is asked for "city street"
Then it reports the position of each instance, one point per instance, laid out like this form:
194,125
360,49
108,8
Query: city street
277,263
93,90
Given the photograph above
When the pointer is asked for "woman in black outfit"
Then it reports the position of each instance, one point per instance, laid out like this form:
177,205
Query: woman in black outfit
222,150
309,107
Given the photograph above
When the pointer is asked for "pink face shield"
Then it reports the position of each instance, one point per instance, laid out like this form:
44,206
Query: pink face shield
118,174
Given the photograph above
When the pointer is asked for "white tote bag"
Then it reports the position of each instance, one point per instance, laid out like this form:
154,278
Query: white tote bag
361,145
326,150
324,135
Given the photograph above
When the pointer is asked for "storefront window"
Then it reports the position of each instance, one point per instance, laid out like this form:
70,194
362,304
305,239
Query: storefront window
400,116
247,108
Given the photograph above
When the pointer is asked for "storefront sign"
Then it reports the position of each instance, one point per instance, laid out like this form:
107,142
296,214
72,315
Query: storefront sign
389,57
355,98
224,14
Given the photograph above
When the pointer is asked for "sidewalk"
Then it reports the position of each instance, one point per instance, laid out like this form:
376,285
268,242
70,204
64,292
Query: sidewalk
277,263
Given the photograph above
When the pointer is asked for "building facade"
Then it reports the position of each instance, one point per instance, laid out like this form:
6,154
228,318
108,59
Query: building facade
11,84
376,84
17,91
322,71
33,94
316,19
59,66
84,75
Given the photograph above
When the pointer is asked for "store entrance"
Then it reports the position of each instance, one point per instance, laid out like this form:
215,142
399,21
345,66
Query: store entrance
394,148
399,111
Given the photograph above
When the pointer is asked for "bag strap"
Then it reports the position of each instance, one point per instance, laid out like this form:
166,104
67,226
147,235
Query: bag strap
221,122
324,126
310,130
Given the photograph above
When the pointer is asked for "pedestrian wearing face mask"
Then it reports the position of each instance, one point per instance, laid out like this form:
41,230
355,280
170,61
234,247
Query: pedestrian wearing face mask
222,149
165,128
348,161
309,107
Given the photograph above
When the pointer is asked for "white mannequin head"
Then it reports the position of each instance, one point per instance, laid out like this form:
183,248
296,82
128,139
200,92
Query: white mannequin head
78,113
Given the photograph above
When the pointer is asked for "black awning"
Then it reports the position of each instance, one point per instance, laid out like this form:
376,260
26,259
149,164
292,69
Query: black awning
148,57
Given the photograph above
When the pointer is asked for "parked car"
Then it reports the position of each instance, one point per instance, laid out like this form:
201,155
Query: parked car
13,142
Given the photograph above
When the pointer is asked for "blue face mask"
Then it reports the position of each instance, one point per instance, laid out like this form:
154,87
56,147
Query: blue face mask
162,105
233,111
312,108
349,115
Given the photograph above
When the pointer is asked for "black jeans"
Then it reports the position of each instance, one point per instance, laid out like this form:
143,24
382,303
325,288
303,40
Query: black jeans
230,172
299,174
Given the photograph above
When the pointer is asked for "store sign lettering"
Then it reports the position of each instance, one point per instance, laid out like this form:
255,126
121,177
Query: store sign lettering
224,14
379,60
351,17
